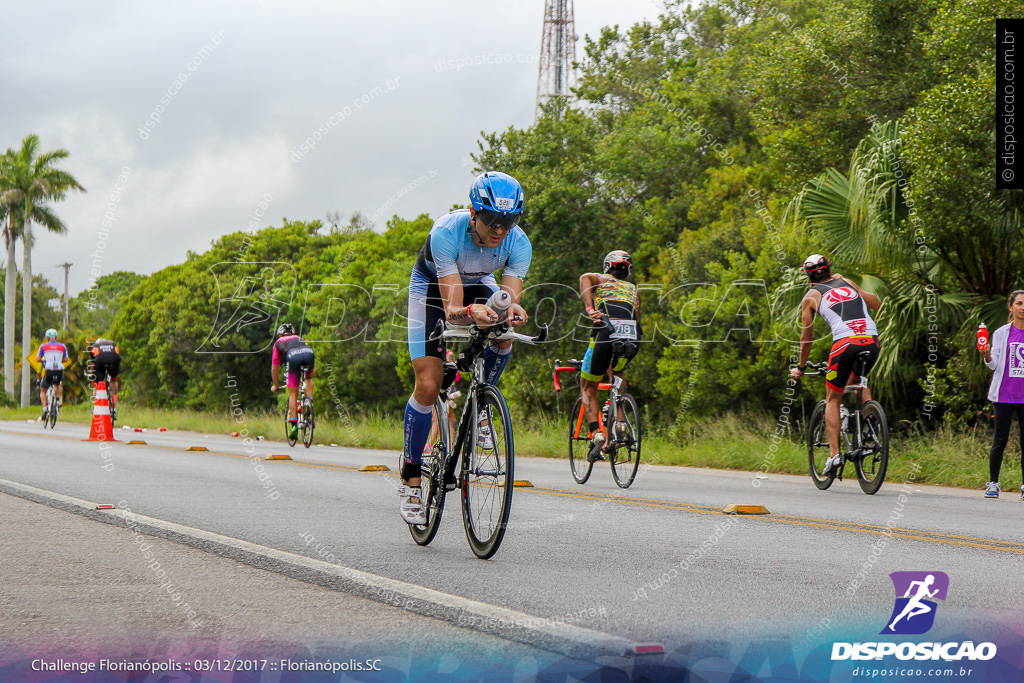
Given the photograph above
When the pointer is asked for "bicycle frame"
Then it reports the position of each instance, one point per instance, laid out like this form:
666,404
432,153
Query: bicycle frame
613,397
470,360
484,531
853,448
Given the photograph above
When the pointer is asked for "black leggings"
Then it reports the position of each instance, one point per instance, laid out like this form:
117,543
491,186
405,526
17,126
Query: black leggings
1004,413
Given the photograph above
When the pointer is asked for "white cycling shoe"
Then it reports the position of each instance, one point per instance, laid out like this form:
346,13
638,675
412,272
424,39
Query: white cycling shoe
483,432
834,465
412,512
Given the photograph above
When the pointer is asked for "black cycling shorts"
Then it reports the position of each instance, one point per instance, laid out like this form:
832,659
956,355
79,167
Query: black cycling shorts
425,308
52,378
109,363
842,357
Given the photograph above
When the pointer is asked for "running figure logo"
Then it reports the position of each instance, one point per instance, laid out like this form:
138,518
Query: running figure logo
914,612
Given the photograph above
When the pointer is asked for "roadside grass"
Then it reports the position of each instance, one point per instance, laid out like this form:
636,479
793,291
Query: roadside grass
733,441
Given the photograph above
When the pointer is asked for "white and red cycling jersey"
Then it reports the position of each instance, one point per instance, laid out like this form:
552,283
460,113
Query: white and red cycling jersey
844,309
52,354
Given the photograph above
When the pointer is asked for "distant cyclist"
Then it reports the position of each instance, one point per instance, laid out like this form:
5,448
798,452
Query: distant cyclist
54,357
451,280
297,356
844,306
106,360
607,294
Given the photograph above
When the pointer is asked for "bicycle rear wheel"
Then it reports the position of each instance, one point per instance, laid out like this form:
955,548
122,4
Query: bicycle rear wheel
288,430
112,402
307,422
432,489
487,475
624,454
579,443
817,447
51,409
874,446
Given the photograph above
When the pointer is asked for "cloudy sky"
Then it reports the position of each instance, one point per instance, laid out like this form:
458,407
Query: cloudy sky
203,109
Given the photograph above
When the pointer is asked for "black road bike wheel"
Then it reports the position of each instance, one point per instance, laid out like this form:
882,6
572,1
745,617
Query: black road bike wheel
52,410
579,445
874,445
308,423
486,474
432,489
624,454
817,447
288,430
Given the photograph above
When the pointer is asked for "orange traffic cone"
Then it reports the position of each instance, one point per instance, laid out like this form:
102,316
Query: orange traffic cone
102,428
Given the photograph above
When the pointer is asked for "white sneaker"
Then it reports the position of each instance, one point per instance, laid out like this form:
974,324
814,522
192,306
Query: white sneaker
833,465
992,489
412,512
483,432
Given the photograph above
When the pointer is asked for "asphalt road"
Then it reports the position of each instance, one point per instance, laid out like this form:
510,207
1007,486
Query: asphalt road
657,563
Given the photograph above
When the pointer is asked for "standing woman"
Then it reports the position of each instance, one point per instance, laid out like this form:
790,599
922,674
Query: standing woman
1005,356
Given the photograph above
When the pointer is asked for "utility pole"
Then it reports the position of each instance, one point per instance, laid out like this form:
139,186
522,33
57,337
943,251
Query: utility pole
66,267
557,52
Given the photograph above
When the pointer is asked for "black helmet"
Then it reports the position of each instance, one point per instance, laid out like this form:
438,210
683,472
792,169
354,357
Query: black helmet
285,329
817,267
618,259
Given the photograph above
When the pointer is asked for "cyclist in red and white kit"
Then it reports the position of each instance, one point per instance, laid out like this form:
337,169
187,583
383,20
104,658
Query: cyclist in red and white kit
844,306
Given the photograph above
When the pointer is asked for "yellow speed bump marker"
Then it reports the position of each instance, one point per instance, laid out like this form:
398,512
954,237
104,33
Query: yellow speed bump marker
197,448
278,456
522,483
136,442
374,468
745,510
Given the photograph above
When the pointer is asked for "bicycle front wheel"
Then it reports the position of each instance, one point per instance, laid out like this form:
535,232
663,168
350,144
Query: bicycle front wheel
432,489
308,423
579,444
625,438
874,447
817,447
487,474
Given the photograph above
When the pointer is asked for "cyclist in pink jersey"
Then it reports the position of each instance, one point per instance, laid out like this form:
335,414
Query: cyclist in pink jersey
844,306
292,350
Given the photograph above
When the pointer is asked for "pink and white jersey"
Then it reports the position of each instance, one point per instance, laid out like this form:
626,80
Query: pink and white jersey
844,309
53,354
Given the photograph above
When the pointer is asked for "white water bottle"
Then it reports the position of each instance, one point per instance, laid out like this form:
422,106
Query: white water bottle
499,303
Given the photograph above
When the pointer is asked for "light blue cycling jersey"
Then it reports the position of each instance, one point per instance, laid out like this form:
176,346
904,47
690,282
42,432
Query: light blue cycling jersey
449,249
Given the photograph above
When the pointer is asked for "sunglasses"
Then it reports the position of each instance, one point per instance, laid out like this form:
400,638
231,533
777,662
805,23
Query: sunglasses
497,221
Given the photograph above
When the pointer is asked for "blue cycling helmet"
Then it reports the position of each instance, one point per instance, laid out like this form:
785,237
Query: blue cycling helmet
51,333
498,193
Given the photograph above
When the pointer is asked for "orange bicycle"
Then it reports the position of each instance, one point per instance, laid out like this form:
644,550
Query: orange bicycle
622,433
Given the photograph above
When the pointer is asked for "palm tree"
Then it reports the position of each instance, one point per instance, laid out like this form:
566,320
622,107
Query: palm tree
28,181
11,235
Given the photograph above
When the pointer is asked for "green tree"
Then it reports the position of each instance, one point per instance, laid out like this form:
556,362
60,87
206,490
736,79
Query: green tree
29,181
96,307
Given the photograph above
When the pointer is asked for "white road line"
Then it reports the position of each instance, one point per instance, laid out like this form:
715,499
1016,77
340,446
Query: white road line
566,639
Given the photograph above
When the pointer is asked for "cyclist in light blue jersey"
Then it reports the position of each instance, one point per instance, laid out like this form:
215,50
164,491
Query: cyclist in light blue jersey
452,278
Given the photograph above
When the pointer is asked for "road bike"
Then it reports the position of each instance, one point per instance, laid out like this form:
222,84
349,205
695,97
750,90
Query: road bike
619,421
480,461
52,409
864,433
304,411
